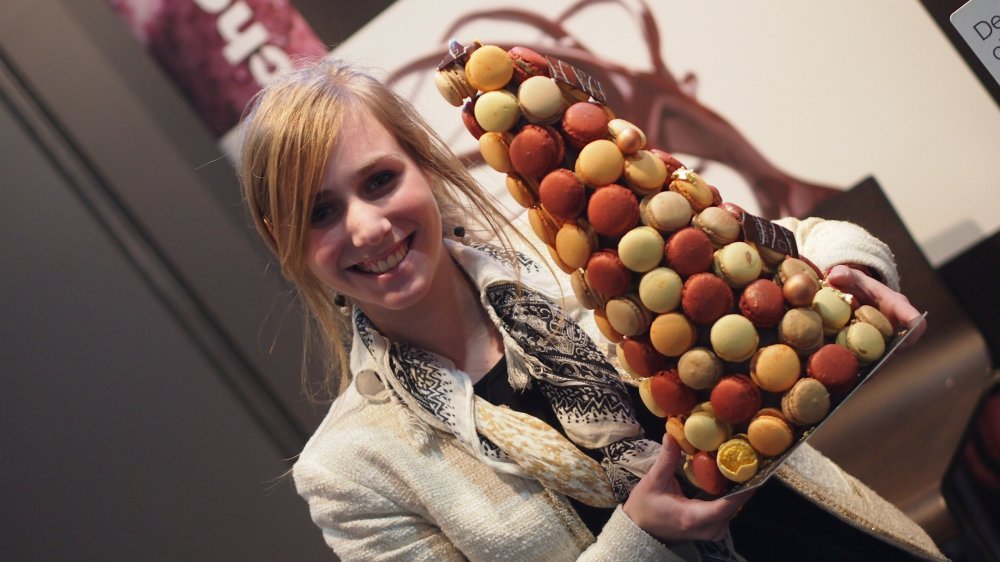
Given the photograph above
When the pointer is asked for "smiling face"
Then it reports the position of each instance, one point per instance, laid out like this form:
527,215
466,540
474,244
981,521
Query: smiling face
374,231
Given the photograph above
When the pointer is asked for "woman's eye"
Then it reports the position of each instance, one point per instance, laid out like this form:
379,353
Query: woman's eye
322,214
381,181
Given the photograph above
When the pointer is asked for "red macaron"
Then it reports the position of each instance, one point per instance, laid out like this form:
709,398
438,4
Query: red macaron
835,366
705,472
706,298
527,63
642,357
563,194
689,251
763,303
613,210
606,274
670,394
735,399
536,151
584,122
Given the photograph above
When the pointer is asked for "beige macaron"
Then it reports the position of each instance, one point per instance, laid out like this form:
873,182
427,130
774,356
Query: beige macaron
719,224
645,172
833,308
541,100
806,403
660,290
641,249
704,431
870,315
734,338
627,315
587,297
665,211
699,368
737,264
497,111
600,163
864,340
453,86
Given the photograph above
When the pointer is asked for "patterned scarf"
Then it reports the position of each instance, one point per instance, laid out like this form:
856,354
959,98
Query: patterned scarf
544,348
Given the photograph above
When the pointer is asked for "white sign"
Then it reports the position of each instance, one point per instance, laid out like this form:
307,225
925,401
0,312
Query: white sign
978,22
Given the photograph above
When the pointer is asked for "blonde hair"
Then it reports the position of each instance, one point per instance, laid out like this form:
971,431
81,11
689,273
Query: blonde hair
288,134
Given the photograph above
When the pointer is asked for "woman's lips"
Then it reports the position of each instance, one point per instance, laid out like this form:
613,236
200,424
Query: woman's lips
390,261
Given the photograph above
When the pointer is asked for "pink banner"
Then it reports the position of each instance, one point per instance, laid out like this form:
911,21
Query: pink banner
220,52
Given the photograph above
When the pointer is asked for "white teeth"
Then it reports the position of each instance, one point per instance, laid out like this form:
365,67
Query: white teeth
386,263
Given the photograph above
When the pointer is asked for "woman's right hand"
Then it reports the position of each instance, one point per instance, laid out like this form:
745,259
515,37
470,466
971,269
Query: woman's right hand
658,507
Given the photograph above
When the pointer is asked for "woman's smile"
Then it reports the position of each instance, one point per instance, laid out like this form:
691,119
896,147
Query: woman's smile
386,263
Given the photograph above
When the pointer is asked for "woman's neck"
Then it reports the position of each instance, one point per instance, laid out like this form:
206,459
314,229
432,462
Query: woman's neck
450,321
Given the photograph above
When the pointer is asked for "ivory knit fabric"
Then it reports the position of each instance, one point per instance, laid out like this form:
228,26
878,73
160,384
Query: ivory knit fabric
829,243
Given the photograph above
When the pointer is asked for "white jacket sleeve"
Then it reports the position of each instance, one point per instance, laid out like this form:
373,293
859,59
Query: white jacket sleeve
828,243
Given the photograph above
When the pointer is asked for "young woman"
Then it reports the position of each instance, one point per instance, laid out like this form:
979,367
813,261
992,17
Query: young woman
474,420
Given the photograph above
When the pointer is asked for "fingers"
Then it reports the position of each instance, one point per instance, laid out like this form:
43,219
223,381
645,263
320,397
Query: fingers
670,455
852,281
896,307
718,510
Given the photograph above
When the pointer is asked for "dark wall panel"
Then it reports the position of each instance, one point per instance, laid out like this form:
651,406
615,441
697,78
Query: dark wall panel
120,442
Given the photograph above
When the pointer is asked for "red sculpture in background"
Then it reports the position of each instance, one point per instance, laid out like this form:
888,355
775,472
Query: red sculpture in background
655,100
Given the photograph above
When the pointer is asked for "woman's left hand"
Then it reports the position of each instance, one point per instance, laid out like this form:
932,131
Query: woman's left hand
895,306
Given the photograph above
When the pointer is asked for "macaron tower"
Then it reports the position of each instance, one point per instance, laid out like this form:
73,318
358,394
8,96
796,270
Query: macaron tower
728,333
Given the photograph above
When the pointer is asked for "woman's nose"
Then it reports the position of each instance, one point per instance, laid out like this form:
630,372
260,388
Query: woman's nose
366,223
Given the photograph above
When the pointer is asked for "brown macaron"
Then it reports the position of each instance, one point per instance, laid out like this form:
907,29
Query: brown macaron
536,150
469,119
835,366
703,471
640,355
706,298
613,210
583,123
689,251
735,399
607,275
563,194
527,63
763,303
673,396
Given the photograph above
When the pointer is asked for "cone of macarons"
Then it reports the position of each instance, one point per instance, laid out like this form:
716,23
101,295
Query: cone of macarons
731,336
